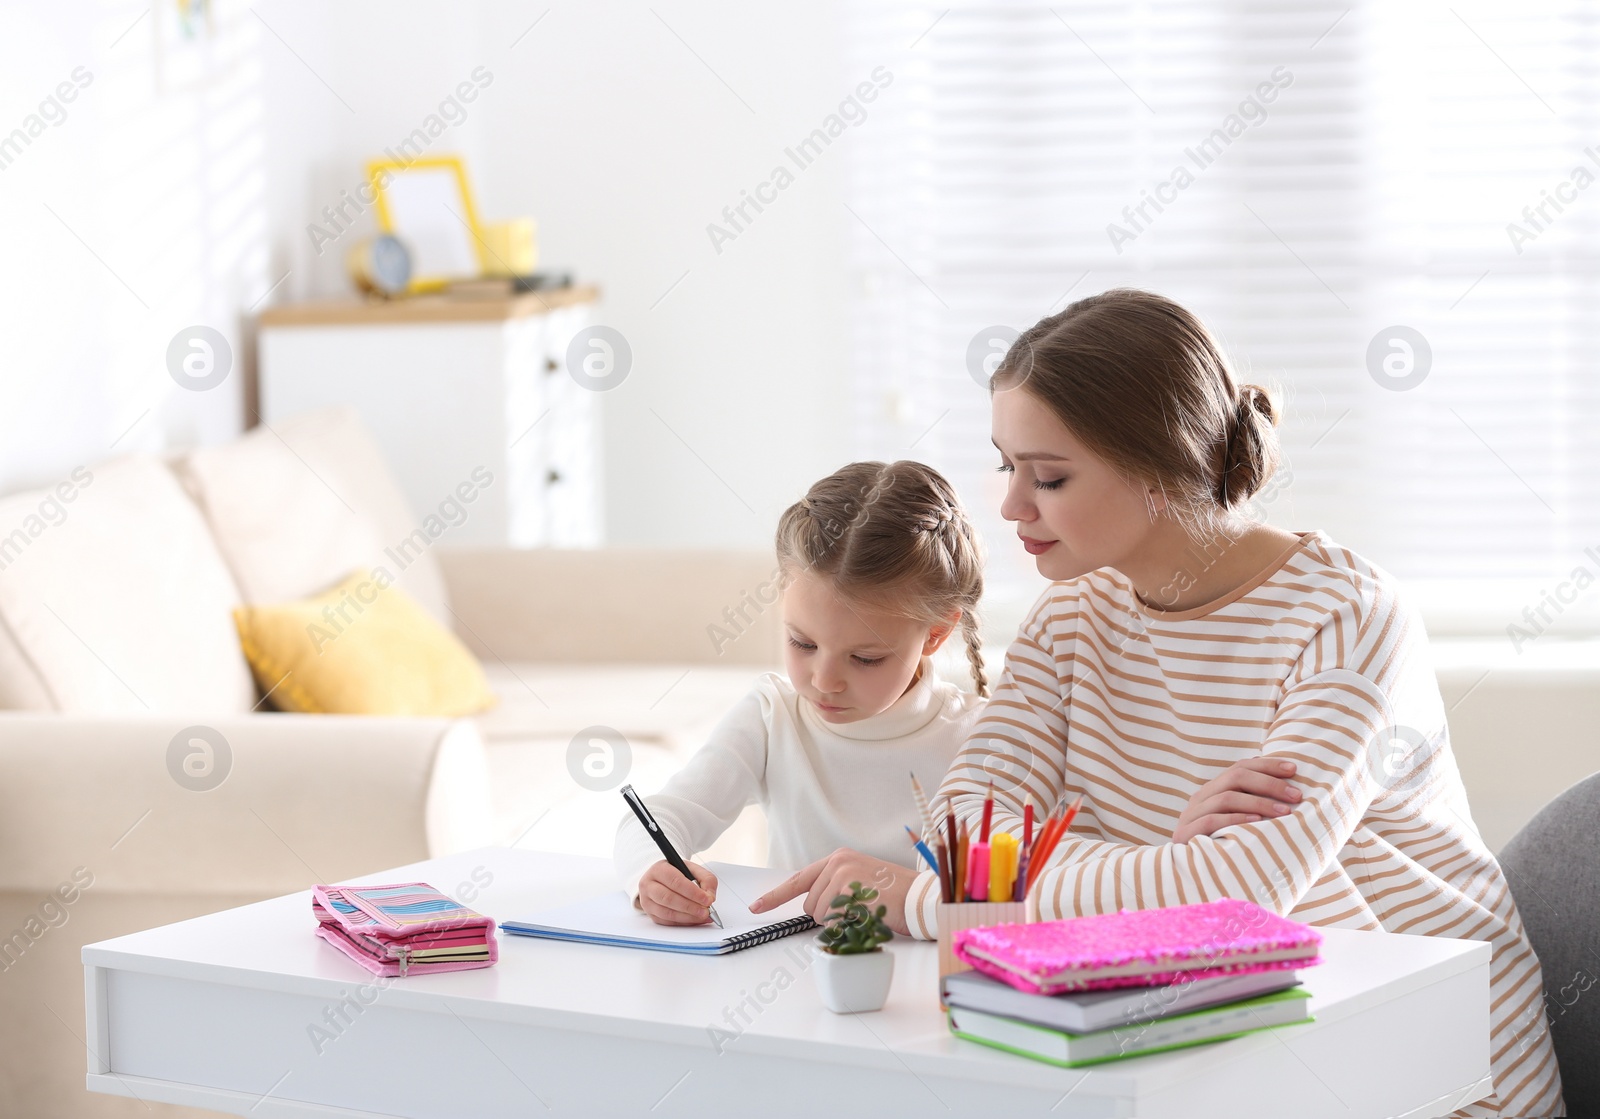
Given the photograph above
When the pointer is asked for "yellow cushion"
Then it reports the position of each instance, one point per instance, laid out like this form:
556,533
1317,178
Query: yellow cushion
362,648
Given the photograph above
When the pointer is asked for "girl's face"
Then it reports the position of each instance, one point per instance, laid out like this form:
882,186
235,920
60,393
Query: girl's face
848,661
1074,513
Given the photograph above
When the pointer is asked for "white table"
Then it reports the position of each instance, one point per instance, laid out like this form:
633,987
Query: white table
219,1012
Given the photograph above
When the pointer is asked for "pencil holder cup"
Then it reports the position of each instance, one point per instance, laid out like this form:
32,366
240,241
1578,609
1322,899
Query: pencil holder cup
955,916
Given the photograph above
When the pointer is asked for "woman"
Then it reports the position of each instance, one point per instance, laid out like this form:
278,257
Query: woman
1183,655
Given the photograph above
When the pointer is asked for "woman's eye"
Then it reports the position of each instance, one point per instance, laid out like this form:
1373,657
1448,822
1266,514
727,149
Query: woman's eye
1004,468
870,661
1041,484
801,645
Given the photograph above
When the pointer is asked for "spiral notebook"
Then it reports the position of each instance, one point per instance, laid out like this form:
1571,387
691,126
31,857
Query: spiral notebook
611,919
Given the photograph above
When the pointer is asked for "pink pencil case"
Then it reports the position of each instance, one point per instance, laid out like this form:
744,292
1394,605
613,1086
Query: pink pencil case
405,929
1139,948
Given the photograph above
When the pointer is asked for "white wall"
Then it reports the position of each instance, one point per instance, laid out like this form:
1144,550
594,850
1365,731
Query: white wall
135,214
625,145
367,75
184,190
183,176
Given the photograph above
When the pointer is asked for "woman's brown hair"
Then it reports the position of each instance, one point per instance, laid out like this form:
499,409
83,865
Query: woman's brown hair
893,535
1139,380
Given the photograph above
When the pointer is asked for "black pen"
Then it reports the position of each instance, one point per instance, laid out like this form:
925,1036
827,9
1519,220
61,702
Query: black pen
663,842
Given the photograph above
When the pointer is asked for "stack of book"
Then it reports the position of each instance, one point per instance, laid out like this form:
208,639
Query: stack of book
1092,989
405,929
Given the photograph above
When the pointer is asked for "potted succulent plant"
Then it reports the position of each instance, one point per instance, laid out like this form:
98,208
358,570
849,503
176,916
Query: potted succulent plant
853,971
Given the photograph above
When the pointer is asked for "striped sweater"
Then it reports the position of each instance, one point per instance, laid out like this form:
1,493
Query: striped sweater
1317,659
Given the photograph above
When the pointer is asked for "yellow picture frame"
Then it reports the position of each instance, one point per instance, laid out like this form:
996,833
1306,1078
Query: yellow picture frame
442,248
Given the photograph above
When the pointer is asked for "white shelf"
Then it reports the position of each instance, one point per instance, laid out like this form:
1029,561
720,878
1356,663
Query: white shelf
451,391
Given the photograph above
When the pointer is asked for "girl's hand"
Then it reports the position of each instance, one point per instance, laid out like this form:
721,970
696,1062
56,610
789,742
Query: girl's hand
827,878
1245,792
671,899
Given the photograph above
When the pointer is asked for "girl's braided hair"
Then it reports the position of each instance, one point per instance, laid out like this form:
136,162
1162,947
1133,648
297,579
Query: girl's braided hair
893,535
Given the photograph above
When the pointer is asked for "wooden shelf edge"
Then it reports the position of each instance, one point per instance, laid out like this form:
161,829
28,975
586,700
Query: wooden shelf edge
433,308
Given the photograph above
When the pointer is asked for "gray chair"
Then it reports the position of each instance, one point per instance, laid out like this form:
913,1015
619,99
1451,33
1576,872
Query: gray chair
1553,867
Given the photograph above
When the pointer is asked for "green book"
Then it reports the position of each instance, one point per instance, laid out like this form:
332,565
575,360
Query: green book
1057,1047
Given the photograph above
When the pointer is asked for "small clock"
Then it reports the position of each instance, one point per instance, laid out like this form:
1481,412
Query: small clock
380,265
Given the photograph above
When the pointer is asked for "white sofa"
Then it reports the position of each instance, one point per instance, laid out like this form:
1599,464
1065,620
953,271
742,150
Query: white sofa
116,586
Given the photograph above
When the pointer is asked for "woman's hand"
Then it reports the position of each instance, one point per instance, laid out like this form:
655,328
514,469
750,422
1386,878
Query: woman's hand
827,878
1245,792
671,899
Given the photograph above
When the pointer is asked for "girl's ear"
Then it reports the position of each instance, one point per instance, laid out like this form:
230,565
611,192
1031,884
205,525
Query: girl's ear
939,634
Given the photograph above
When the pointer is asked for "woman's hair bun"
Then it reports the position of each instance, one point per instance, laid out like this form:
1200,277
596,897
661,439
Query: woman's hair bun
1140,382
1254,398
1251,450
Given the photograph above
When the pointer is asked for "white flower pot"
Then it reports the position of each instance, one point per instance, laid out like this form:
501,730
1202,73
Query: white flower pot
851,984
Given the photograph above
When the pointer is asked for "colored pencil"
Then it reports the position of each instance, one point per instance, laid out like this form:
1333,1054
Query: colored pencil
978,871
942,854
963,850
988,814
1027,824
922,849
1041,852
922,807
1072,812
1047,842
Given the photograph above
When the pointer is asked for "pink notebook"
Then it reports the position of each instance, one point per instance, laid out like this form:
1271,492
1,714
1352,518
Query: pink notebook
1139,947
404,929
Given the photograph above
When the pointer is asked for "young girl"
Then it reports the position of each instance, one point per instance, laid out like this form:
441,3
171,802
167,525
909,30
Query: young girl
880,566
1188,658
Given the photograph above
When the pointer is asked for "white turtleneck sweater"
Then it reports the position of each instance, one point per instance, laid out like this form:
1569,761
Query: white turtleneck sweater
822,785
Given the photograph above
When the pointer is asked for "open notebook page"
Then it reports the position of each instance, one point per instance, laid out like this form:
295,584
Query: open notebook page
610,918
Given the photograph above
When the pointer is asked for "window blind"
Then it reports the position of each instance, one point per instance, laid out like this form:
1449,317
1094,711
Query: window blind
1349,196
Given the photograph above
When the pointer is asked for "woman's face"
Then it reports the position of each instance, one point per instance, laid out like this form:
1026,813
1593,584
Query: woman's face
1074,513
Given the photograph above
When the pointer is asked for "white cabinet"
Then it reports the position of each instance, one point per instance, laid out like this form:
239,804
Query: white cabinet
456,390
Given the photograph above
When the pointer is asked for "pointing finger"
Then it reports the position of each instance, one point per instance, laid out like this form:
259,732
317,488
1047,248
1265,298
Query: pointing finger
798,883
